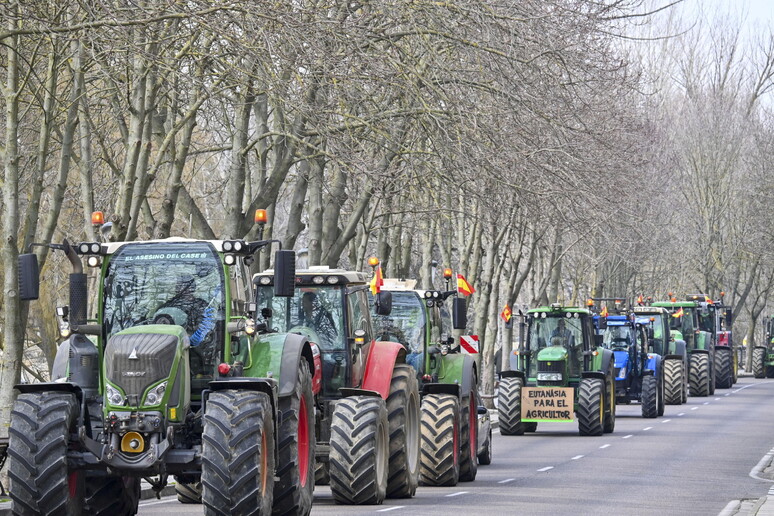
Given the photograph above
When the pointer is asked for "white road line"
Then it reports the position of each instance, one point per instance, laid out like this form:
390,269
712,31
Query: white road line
717,399
577,457
647,428
705,403
728,394
681,414
694,408
546,468
731,508
666,421
627,436
604,446
158,502
506,480
751,385
456,494
762,464
388,509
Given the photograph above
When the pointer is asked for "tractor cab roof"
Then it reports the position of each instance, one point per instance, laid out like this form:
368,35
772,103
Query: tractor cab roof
649,310
557,310
618,320
399,284
676,304
109,248
316,275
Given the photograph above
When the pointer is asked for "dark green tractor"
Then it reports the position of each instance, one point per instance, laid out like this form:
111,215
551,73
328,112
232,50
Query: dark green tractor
763,356
563,373
161,382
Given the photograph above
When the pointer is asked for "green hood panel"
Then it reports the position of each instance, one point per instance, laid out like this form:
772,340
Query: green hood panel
451,368
266,356
554,353
164,329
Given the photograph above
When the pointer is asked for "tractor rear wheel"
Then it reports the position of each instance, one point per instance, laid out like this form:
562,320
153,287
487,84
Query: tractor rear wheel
189,493
359,456
700,375
40,481
673,381
758,362
296,443
469,440
649,397
485,457
509,406
591,406
439,464
108,496
403,418
724,374
238,453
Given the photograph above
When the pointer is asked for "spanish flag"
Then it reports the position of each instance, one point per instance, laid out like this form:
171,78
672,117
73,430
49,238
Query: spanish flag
604,312
640,300
679,313
707,299
506,313
377,281
463,287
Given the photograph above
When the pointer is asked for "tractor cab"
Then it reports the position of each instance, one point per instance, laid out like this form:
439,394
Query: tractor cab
330,307
628,340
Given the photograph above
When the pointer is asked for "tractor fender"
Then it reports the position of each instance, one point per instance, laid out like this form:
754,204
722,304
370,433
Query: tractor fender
679,351
296,348
513,374
441,388
380,364
607,358
469,375
699,352
27,388
654,364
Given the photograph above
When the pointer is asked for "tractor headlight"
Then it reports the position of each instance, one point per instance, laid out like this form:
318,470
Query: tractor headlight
114,396
549,377
155,395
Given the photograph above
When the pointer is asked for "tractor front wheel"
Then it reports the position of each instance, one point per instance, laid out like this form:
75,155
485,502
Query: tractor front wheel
403,418
238,453
296,443
108,496
439,463
700,375
724,374
358,461
40,480
189,493
673,381
649,397
591,406
758,362
509,406
485,457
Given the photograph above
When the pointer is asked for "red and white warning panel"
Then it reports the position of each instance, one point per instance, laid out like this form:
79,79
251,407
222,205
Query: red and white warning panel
469,343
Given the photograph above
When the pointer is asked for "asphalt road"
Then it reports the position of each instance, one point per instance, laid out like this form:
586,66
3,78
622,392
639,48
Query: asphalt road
696,459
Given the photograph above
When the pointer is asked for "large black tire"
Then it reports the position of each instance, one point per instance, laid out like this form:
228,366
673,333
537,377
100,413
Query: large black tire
769,371
403,418
686,379
439,463
649,397
591,406
661,394
509,406
296,445
673,381
469,437
40,481
358,461
530,426
108,496
189,493
758,362
485,457
238,454
699,375
724,373
321,476
608,424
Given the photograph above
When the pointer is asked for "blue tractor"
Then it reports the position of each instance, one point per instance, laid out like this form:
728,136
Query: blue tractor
639,375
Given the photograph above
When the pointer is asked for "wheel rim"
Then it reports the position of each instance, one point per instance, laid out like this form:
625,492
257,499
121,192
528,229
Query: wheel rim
382,443
303,442
264,463
412,431
456,441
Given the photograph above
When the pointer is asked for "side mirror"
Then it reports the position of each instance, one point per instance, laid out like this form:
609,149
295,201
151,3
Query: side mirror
459,313
383,303
29,279
284,273
728,319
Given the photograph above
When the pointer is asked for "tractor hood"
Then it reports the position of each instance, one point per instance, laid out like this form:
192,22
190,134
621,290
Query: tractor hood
552,353
621,359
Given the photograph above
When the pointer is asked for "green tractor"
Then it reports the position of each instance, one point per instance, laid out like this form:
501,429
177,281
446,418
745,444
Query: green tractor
563,371
164,381
684,324
450,410
367,415
763,356
675,355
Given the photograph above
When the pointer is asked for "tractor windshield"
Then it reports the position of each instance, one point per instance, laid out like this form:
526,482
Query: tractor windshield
318,312
618,338
554,330
405,324
168,283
